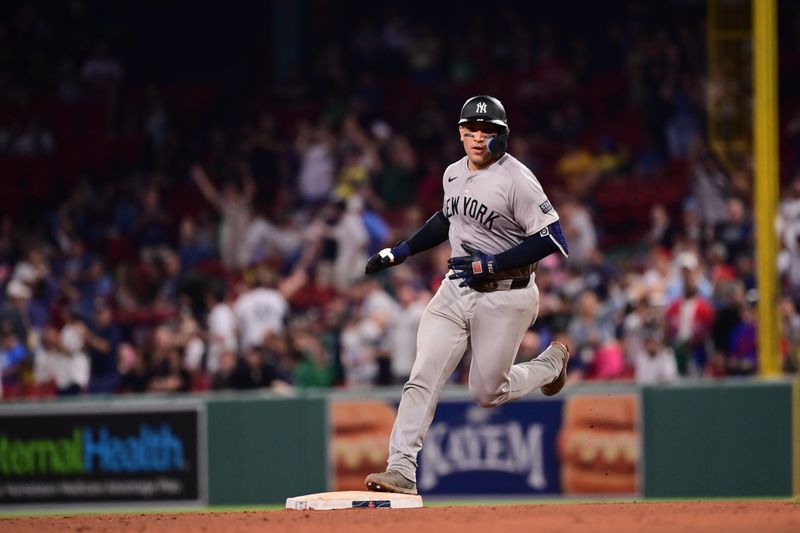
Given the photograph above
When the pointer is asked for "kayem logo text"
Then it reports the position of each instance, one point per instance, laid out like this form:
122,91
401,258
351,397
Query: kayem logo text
504,447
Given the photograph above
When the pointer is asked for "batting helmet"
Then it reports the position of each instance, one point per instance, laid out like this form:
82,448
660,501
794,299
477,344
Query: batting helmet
485,108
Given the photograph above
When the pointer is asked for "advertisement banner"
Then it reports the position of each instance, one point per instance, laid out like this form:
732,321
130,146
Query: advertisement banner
510,450
600,444
360,431
100,456
573,445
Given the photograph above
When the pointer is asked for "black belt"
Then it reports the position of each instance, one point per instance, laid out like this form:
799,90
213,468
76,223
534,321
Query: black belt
489,285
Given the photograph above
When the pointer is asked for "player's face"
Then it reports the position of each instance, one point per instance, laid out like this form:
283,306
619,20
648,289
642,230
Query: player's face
475,137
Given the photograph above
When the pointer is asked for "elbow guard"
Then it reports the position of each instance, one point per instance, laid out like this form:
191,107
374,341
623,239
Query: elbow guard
556,234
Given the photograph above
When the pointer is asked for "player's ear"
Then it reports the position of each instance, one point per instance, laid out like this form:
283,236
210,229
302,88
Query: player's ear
461,133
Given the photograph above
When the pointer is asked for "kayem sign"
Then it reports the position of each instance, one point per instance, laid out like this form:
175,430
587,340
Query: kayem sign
508,450
108,456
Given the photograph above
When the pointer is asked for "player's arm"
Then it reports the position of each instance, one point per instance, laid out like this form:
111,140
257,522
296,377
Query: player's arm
433,233
534,248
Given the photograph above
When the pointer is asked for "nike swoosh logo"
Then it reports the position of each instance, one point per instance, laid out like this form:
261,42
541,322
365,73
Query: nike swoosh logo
452,178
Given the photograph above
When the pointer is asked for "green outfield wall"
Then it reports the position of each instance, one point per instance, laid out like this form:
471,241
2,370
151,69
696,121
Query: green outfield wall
261,450
701,439
727,438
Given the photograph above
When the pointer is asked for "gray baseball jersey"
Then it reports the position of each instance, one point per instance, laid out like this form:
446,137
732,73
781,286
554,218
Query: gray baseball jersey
496,208
492,209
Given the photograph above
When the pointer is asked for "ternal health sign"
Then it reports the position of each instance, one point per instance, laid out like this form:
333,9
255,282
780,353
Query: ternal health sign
111,456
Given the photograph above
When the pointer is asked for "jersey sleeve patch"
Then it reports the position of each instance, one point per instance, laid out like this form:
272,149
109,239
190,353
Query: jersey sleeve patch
546,207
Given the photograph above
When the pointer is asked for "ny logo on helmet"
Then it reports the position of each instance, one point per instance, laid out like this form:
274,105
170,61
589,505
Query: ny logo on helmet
481,107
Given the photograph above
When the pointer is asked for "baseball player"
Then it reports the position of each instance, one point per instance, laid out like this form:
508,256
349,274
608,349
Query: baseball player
497,214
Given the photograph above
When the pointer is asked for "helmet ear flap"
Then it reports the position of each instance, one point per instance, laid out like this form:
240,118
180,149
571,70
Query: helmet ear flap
498,145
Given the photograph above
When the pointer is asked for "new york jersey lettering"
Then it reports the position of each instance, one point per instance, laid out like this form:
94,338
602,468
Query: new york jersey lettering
472,208
451,206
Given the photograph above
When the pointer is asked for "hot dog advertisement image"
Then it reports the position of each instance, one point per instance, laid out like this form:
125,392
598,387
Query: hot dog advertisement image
598,445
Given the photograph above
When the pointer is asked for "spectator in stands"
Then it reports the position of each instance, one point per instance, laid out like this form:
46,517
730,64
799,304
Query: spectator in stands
599,275
689,320
735,231
96,284
315,147
261,309
365,349
102,338
654,363
709,183
353,176
314,367
692,230
134,374
234,204
662,232
221,326
151,230
63,358
279,355
169,272
638,320
351,238
359,350
579,229
166,371
743,352
190,341
790,321
591,333
789,205
729,300
687,265
195,244
54,363
224,377
13,354
273,243
14,310
789,223
256,372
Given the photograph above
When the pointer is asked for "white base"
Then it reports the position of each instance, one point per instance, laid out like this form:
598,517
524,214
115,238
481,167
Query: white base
325,501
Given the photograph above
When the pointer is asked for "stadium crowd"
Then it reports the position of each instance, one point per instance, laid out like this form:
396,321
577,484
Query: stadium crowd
164,238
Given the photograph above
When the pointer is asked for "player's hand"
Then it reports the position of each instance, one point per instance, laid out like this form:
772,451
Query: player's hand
468,268
388,257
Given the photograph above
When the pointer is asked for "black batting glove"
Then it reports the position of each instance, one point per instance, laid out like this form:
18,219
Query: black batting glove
469,268
388,257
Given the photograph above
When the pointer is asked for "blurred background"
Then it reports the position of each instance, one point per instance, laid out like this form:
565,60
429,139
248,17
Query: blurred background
189,190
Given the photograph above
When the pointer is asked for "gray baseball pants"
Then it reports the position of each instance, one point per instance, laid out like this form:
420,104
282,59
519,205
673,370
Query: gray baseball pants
494,324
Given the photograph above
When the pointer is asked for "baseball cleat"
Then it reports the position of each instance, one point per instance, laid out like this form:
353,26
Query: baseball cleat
390,481
557,384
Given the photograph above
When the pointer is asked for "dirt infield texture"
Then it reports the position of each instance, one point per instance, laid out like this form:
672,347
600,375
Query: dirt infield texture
744,516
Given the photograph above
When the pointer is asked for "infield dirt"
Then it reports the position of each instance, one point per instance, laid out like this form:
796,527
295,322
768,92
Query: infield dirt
732,516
